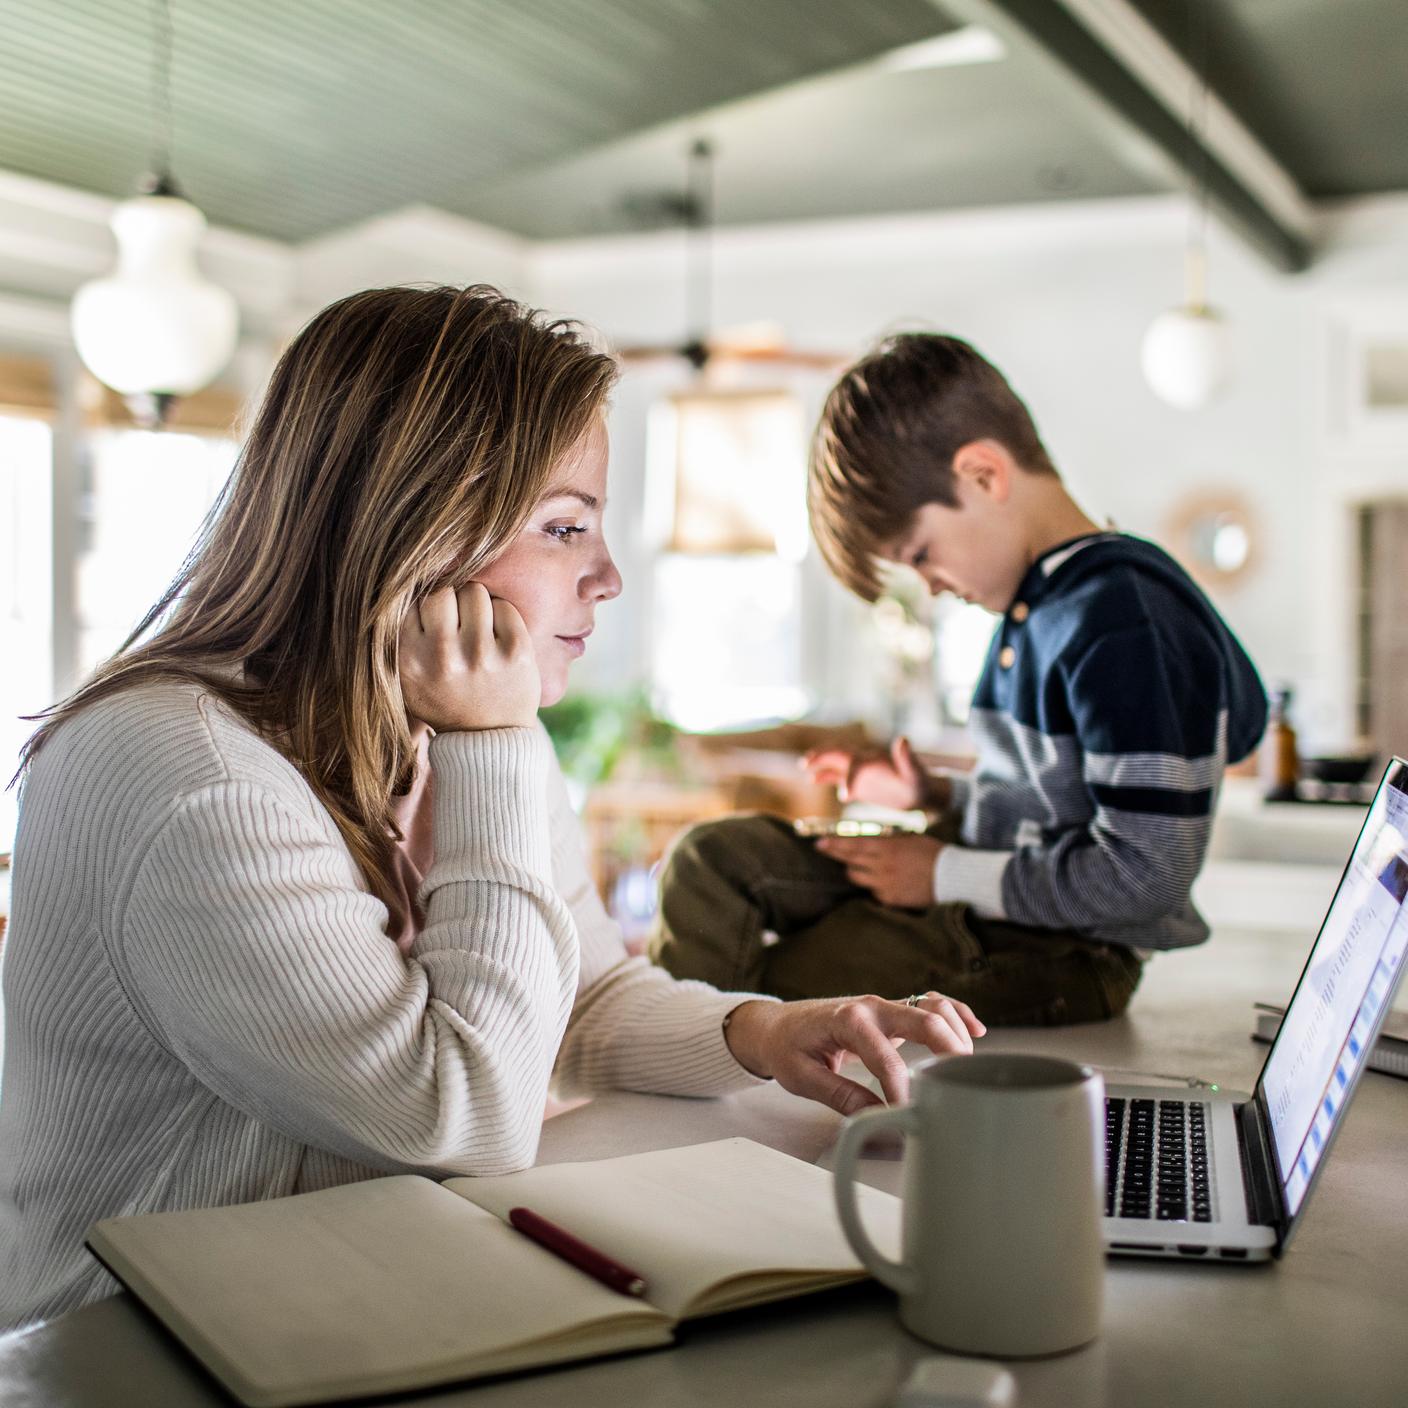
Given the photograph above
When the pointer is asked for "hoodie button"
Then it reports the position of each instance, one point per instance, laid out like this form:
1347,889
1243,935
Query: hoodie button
1020,611
1007,658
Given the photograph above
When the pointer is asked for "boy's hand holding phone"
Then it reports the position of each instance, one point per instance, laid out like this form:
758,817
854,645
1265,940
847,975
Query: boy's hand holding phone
897,870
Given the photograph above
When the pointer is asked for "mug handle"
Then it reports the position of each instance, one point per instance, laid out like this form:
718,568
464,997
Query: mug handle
855,1134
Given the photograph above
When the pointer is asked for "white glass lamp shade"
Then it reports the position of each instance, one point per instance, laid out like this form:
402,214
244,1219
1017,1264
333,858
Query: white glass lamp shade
155,325
1187,356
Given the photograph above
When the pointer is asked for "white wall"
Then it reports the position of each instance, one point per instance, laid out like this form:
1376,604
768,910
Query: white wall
1060,298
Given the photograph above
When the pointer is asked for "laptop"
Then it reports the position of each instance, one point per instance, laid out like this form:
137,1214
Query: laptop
1204,1174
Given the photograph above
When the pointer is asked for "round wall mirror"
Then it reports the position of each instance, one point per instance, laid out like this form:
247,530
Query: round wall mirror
1214,536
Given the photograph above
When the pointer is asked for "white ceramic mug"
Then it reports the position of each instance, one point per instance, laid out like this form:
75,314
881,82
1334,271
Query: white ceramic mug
1003,1197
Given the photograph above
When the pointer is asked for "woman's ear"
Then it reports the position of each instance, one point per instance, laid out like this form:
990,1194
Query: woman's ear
987,466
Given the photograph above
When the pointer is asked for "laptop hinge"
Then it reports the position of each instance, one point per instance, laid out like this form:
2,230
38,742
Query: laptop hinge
1258,1179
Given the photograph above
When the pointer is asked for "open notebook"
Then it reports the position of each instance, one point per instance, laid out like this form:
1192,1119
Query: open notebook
401,1283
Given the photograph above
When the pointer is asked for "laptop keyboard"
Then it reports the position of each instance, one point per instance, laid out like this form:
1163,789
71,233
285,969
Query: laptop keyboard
1156,1160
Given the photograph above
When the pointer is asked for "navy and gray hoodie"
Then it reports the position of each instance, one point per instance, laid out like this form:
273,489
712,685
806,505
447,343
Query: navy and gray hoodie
1112,699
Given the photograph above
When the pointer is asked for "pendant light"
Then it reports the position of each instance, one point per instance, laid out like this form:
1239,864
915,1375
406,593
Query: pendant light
154,329
1187,351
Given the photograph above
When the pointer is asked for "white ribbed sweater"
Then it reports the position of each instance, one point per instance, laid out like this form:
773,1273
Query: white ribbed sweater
202,1005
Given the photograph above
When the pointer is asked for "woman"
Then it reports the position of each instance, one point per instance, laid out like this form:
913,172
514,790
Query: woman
297,895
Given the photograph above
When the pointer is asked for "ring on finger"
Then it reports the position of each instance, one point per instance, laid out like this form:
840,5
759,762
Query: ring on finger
914,999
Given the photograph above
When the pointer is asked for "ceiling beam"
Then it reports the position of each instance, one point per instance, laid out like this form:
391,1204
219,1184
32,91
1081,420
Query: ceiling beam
1129,67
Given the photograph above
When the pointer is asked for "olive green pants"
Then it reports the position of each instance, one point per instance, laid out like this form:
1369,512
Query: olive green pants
730,886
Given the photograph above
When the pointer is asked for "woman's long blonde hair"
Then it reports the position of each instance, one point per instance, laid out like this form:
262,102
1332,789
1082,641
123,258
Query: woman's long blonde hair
404,439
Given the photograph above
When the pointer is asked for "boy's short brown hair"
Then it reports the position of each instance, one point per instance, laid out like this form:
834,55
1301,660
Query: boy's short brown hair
887,439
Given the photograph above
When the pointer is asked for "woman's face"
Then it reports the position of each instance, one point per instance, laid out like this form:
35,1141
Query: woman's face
558,569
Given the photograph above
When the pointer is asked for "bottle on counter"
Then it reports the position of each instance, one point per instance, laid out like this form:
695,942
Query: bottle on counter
1278,762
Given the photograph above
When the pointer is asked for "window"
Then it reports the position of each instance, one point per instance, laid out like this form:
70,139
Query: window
26,601
730,514
148,494
738,473
728,647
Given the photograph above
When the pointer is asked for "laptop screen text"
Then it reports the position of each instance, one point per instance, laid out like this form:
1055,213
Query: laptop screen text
1329,1025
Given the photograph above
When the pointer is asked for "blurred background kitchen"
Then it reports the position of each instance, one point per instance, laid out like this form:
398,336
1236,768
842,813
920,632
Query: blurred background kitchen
1179,226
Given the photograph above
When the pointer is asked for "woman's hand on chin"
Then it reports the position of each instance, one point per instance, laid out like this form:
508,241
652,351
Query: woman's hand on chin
801,1045
466,662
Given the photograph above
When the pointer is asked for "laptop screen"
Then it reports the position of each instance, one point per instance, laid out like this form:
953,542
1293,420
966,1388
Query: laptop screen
1340,1000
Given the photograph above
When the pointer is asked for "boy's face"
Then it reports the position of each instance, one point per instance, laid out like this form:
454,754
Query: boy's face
972,549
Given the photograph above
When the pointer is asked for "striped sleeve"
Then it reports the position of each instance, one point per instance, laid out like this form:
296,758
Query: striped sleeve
1150,719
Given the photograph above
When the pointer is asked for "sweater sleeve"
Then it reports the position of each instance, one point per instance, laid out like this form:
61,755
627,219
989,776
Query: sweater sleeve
1151,724
634,1027
255,955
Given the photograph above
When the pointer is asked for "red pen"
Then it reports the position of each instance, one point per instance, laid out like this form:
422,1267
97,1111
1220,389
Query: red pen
562,1243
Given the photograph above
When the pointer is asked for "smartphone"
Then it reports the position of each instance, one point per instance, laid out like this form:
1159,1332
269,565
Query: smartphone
815,826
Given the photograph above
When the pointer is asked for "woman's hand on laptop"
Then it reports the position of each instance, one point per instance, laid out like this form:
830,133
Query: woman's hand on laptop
801,1045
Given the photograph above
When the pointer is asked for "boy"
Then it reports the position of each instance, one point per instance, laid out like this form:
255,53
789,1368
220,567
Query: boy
1112,698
